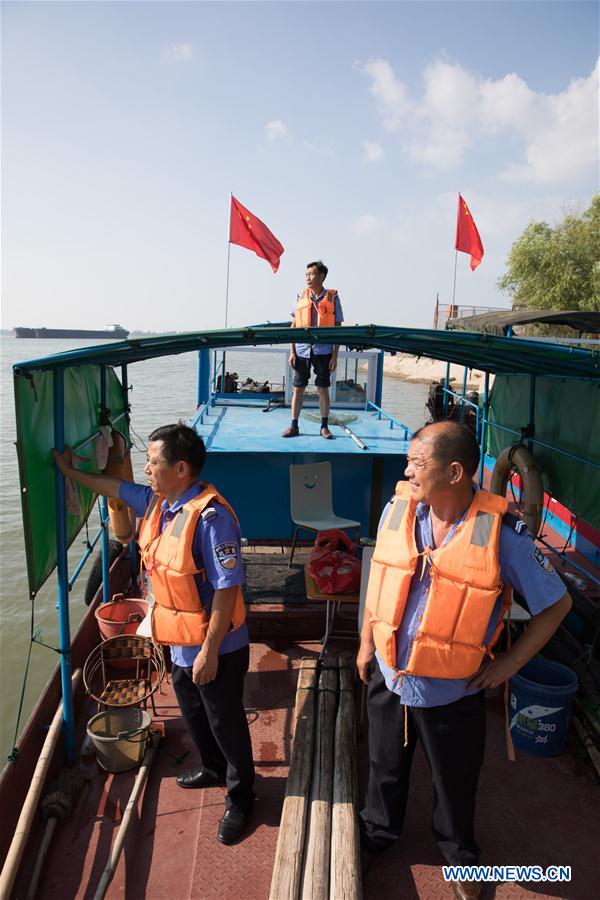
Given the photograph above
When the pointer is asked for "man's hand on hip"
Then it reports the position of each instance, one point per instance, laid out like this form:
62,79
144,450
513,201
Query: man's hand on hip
333,363
292,360
205,667
494,672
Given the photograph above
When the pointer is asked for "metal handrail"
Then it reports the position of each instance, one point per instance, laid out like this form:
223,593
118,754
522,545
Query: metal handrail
587,462
381,412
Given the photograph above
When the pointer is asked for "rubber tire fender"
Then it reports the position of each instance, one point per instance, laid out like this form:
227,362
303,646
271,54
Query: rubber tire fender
115,548
520,459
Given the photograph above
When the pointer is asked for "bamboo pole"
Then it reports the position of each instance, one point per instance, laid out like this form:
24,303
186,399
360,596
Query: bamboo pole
285,881
590,721
317,854
345,857
21,835
138,784
588,743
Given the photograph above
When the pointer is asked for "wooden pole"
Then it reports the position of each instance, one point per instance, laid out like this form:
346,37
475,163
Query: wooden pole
346,881
21,835
115,853
317,855
287,869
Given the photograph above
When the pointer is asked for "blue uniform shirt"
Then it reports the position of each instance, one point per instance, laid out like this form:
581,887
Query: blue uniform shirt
217,535
303,350
522,567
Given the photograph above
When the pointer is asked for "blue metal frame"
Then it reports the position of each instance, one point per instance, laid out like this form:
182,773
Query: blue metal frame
483,435
62,569
104,505
203,377
381,412
379,381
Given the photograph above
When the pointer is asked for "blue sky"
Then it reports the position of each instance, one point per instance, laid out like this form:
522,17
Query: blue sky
348,128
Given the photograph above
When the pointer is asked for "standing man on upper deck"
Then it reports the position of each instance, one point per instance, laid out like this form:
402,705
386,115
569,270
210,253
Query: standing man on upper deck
315,306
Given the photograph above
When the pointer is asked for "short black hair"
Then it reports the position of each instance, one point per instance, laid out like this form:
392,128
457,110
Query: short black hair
321,267
452,442
180,442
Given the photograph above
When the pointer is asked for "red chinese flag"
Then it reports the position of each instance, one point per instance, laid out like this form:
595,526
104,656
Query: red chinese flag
246,230
467,236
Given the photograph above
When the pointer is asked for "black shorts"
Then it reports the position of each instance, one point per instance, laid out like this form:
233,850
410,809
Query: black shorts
320,363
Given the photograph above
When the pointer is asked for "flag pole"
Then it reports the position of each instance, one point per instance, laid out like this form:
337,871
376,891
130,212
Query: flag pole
451,316
226,292
228,258
454,285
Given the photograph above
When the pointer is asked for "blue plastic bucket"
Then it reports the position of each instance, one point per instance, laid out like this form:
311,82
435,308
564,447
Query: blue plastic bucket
541,694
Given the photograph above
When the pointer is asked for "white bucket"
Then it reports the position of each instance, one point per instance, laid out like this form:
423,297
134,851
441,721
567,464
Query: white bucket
119,737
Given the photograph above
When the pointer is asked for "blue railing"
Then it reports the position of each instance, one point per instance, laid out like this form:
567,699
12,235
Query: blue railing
532,440
381,413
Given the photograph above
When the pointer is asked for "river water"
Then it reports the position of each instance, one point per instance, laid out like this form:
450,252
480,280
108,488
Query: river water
163,390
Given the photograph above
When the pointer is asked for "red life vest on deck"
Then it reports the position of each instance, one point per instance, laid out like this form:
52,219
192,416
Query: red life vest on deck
325,310
178,616
465,584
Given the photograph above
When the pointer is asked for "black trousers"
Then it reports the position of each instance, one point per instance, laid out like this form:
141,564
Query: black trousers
453,739
216,720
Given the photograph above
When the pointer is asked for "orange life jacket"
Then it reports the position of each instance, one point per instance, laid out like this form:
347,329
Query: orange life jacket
325,310
465,584
178,616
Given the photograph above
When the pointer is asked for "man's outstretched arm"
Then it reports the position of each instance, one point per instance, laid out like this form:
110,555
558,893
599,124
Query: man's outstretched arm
99,484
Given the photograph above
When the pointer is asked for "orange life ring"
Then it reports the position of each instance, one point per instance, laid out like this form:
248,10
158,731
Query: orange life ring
520,459
122,517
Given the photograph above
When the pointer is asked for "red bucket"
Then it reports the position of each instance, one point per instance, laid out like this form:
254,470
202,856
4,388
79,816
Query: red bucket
120,617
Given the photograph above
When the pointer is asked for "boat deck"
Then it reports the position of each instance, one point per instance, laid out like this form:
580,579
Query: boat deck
537,811
248,427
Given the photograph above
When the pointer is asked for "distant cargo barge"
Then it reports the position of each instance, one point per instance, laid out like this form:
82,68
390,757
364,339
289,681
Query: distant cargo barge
115,332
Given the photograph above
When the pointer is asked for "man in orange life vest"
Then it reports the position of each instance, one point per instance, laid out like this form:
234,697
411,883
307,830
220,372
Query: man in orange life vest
319,307
434,603
189,539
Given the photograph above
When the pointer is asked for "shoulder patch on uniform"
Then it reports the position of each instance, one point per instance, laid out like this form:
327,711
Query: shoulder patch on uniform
208,513
228,555
515,524
542,561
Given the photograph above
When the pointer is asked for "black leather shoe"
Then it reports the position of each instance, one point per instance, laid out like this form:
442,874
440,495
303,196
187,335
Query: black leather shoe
198,778
467,890
232,826
369,844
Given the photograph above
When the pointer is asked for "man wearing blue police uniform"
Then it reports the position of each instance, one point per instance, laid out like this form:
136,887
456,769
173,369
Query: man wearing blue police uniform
190,544
436,522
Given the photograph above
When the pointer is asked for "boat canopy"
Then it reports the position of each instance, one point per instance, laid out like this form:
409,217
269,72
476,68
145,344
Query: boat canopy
79,392
499,322
489,353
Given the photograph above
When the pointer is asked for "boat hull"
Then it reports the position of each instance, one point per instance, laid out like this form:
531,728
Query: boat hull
116,334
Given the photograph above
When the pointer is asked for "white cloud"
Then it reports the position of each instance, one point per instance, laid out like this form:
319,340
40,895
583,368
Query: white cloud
366,224
275,130
320,149
179,52
390,94
372,152
558,133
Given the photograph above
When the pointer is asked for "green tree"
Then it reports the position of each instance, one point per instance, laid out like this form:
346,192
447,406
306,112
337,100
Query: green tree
557,268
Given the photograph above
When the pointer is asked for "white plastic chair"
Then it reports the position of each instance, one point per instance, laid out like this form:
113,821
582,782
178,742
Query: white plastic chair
311,501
